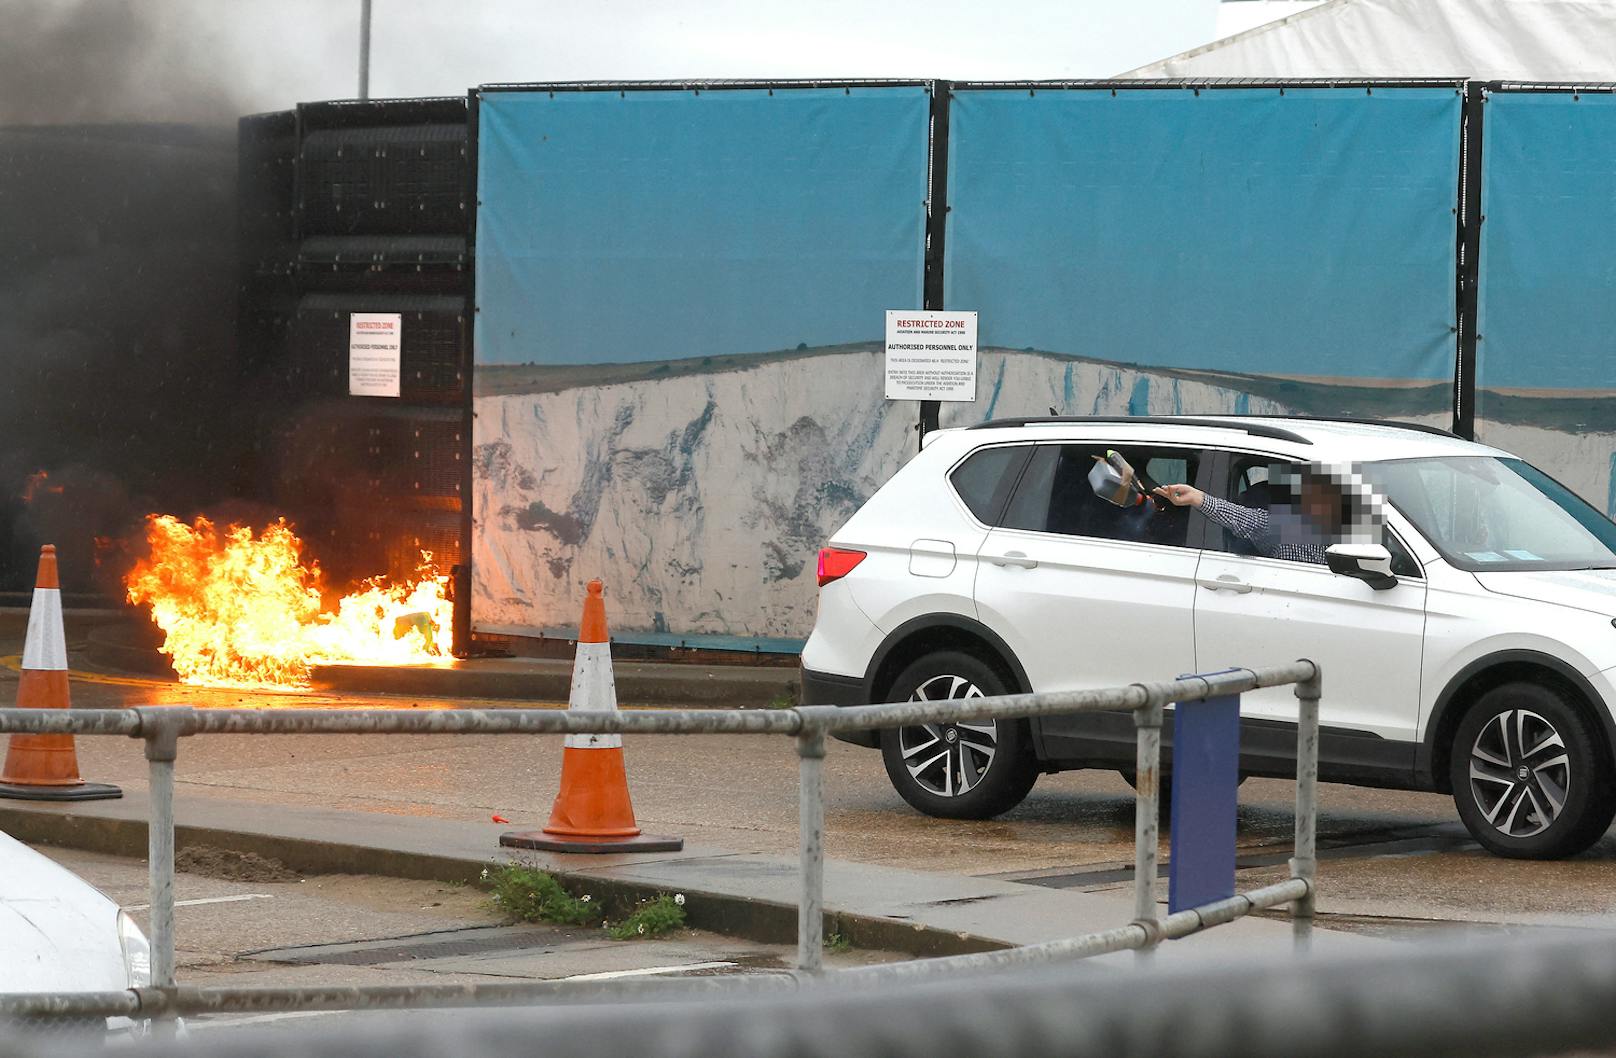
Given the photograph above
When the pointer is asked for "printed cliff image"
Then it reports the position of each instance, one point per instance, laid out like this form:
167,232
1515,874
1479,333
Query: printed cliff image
699,493
700,490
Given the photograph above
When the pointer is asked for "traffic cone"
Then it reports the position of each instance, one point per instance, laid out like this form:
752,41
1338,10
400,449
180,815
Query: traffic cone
46,767
592,812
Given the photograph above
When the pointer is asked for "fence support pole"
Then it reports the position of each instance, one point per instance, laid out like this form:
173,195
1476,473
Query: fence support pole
160,728
1147,722
364,49
811,839
1304,864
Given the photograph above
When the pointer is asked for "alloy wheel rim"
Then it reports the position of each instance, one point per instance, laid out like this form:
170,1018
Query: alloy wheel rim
948,760
1520,773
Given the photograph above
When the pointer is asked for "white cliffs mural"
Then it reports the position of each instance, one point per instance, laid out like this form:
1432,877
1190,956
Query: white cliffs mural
700,490
700,493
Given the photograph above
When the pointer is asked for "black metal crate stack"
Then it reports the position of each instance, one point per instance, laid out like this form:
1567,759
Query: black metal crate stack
360,207
432,344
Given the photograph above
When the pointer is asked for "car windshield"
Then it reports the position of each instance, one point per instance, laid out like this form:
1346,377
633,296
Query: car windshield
1485,513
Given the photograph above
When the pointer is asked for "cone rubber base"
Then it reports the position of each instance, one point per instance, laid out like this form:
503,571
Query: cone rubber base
89,791
543,842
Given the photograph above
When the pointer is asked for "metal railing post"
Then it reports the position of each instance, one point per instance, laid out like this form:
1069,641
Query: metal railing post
1304,863
160,728
811,838
1147,721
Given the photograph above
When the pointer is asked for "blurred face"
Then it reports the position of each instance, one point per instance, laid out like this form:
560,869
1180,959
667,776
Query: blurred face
1321,504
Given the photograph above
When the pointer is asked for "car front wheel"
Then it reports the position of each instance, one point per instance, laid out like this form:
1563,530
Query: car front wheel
965,770
1530,778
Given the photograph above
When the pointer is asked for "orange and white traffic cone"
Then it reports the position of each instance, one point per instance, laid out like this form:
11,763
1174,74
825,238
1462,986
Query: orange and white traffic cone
46,767
592,812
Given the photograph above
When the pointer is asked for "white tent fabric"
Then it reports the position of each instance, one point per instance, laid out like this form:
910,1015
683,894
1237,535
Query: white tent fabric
1237,16
1565,41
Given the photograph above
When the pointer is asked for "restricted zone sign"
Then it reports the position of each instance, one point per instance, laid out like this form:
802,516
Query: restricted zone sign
375,340
931,355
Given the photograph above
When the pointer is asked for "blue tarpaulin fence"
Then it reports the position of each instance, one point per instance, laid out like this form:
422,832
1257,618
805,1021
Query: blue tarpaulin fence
1222,250
1546,315
626,227
680,306
680,297
1246,230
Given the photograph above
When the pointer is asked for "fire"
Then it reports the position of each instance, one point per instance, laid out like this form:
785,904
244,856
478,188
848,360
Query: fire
243,610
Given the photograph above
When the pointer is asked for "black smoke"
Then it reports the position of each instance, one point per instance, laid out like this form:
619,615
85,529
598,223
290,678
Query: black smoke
118,368
98,61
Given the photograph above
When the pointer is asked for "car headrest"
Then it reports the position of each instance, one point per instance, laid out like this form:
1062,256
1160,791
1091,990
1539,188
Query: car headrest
1260,495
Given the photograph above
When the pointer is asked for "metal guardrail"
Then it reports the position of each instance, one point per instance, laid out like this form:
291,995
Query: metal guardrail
1474,999
162,727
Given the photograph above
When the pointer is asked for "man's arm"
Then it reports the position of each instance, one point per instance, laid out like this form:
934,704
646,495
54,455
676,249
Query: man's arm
1248,523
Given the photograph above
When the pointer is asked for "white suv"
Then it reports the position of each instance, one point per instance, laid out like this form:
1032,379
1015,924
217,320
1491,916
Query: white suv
1465,627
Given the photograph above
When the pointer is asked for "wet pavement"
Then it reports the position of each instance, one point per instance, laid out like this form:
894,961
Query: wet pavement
1391,860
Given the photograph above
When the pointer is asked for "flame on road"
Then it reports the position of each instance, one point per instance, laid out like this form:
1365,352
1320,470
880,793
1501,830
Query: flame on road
243,610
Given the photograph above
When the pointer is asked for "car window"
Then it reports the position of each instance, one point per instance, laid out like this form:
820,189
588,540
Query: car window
984,479
1054,495
1490,513
1259,483
1249,487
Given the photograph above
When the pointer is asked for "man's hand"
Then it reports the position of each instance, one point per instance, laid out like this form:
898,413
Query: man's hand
1181,495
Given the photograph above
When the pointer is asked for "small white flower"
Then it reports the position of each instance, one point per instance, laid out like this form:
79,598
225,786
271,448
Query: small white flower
642,927
485,874
679,898
586,898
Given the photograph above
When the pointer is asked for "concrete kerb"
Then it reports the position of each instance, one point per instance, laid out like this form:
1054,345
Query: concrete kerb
763,921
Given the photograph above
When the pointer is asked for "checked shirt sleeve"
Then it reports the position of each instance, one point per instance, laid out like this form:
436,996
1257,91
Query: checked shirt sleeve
1253,524
1248,523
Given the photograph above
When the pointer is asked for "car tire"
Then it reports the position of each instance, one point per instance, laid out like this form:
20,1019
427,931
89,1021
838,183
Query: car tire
958,771
1531,776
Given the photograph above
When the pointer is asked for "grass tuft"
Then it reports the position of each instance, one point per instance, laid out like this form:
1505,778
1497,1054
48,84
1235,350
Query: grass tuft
658,915
530,895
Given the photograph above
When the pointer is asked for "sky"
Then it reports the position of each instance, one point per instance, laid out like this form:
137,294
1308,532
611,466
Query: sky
215,59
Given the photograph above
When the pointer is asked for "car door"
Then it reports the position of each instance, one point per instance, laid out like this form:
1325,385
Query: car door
1252,610
1085,593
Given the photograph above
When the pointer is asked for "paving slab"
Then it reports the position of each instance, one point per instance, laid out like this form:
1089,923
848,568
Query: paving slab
751,895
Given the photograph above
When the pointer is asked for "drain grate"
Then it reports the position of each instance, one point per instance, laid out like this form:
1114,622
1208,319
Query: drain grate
481,940
1392,845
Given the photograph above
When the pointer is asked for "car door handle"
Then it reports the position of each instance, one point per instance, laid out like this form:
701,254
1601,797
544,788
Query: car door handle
1226,582
1015,558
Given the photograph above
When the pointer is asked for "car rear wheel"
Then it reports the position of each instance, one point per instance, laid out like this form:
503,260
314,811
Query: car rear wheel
1530,778
966,770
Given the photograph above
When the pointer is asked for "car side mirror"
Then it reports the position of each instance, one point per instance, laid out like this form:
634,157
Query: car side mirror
1370,563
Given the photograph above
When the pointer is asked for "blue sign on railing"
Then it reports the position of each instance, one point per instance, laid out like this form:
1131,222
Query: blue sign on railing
1206,775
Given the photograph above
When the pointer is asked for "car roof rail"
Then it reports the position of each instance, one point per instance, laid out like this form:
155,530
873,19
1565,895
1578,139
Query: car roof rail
1390,424
1256,429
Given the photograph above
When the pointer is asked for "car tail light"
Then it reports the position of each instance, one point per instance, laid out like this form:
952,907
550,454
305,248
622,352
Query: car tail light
834,563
